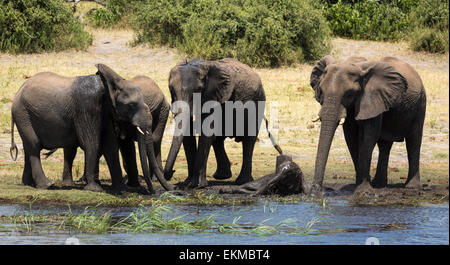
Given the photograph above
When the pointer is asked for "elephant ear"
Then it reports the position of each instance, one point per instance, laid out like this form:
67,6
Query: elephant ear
382,89
218,83
316,75
111,80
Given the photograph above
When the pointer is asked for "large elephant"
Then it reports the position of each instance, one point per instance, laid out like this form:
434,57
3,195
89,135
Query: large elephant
377,102
127,134
221,81
53,111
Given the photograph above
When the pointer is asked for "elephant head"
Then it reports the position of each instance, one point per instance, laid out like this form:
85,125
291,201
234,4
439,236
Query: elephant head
356,86
210,79
128,106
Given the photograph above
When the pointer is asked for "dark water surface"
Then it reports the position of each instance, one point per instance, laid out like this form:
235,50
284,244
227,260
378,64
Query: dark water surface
338,224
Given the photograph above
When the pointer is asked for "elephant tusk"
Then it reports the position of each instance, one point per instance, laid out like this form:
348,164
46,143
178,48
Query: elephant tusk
342,121
316,119
139,129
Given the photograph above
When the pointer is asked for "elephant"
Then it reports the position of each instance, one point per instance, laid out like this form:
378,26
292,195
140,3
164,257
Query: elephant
377,102
127,133
53,111
223,81
287,179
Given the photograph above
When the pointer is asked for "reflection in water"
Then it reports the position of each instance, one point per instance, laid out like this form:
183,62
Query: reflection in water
339,224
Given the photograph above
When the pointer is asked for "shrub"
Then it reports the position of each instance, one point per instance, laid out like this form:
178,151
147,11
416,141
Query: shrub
259,33
369,20
37,25
429,26
115,14
429,40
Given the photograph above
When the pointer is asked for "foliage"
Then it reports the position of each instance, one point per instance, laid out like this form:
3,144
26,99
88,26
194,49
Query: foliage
260,33
429,23
115,14
424,23
430,40
367,20
40,25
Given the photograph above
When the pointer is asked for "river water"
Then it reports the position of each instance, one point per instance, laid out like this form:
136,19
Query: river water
339,223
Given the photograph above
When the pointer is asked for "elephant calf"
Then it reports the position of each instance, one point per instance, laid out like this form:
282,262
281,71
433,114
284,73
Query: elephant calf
377,102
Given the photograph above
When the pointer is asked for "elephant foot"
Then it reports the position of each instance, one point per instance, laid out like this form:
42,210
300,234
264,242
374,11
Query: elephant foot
379,182
195,183
132,182
222,174
119,187
93,187
28,182
363,188
44,184
316,190
413,183
241,179
168,175
68,183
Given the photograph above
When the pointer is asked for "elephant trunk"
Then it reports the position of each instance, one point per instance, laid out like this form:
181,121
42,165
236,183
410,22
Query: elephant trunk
174,149
154,164
144,161
330,121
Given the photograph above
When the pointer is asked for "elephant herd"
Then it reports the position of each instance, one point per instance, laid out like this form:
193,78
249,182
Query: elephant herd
377,102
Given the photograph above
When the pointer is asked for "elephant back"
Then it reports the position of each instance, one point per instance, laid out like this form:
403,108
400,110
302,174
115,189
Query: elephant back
153,95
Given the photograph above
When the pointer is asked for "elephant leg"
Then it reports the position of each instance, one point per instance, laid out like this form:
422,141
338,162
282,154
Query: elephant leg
369,132
27,176
201,159
128,152
223,163
91,163
248,144
380,179
190,150
96,176
413,144
157,150
110,147
32,150
351,138
69,156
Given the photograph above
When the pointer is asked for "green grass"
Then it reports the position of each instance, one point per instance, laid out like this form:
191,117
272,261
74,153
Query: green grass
150,220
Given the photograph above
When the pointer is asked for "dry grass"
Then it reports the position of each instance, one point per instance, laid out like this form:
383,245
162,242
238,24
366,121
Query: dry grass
288,88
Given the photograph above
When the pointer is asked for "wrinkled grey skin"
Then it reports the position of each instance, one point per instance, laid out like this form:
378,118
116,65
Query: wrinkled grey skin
127,134
224,80
286,180
382,102
52,111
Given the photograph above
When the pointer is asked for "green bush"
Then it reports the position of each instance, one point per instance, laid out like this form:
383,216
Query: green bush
429,26
260,33
40,25
115,14
369,20
431,14
429,40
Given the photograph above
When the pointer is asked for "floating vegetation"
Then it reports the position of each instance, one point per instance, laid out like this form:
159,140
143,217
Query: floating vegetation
151,220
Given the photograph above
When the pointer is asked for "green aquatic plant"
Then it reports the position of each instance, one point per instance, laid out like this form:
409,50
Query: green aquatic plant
151,220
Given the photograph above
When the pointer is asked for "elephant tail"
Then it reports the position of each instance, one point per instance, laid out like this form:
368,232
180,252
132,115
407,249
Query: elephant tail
274,143
13,151
49,153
